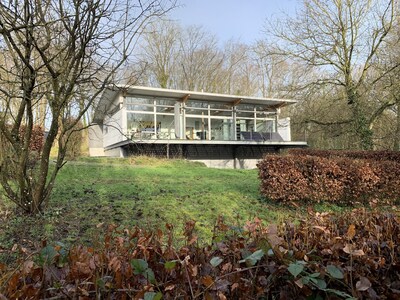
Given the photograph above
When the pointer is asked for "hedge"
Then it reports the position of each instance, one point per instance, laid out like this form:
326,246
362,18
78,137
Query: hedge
351,256
338,179
385,155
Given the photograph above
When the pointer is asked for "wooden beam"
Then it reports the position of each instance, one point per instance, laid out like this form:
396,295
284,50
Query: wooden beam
185,98
268,109
236,102
276,106
124,92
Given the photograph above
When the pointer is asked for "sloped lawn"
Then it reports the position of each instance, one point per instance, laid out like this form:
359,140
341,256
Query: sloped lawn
143,191
147,192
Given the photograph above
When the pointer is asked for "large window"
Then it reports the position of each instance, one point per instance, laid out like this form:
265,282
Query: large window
142,126
150,118
139,104
159,118
222,129
197,128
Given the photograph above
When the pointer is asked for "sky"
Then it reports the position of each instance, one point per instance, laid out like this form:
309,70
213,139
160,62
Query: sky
240,20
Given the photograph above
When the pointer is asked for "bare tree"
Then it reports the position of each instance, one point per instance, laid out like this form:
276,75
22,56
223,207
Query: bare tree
340,39
238,71
66,53
160,51
278,76
388,63
199,60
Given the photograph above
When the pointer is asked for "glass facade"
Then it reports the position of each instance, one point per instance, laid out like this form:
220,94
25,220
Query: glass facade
158,118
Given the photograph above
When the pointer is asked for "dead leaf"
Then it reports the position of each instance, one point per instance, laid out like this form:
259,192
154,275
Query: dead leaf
351,232
207,281
299,283
274,240
100,225
372,294
208,296
109,285
227,267
193,240
169,287
349,250
272,229
221,285
83,268
234,286
92,264
262,280
363,284
326,251
323,229
27,267
221,296
193,270
114,264
223,247
84,292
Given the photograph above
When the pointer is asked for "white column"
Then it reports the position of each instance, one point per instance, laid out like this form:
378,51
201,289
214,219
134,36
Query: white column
234,123
183,129
276,119
155,118
209,121
124,117
178,120
255,120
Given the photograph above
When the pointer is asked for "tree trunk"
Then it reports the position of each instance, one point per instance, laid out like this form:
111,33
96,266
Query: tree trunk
361,125
361,128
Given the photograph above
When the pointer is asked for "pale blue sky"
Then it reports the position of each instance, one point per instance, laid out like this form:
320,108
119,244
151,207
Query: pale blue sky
232,19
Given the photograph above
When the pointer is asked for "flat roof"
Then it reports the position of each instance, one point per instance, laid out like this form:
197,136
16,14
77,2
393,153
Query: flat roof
179,95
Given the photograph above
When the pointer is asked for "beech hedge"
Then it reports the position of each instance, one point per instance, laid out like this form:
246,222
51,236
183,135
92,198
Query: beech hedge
37,137
350,256
291,178
385,155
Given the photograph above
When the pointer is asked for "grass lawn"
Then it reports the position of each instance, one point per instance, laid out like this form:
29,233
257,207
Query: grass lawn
142,191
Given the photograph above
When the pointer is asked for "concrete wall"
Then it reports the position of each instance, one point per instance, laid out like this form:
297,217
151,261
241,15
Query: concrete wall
229,163
113,131
115,152
95,135
284,129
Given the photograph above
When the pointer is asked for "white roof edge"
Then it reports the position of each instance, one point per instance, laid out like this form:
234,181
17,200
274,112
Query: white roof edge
171,91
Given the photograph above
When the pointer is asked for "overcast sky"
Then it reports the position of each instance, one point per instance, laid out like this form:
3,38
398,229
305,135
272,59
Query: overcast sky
232,19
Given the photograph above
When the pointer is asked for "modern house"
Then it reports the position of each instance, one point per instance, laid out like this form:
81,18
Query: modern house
220,130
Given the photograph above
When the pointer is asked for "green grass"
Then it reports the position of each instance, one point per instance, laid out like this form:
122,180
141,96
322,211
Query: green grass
142,191
151,192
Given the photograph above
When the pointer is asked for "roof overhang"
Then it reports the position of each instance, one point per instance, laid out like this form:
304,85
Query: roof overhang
112,92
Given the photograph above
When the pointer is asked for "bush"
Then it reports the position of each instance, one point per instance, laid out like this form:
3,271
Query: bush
324,257
336,179
9,158
36,142
370,155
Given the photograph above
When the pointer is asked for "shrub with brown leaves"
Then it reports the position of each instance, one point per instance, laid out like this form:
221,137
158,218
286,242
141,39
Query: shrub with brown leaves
385,155
291,178
37,138
326,256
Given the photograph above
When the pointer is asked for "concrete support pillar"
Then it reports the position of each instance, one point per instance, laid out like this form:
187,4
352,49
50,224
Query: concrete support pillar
234,123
